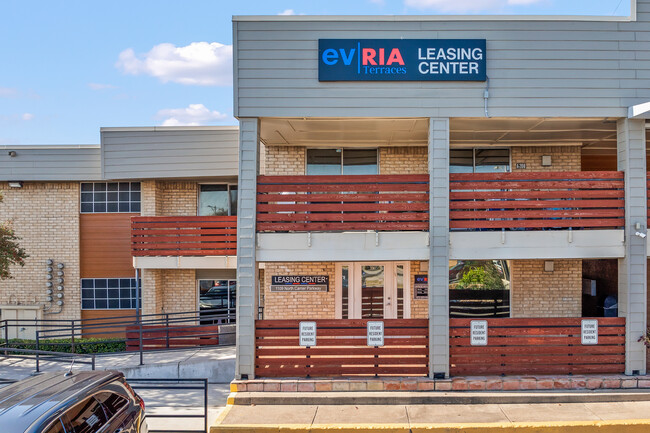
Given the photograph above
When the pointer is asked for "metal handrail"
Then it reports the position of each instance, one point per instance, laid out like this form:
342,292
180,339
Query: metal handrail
158,322
50,356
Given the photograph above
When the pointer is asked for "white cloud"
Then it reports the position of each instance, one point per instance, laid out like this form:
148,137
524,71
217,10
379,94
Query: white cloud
199,63
287,12
27,116
7,92
99,86
193,115
466,5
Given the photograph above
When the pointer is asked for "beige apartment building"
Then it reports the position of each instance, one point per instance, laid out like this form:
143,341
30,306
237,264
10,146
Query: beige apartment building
77,210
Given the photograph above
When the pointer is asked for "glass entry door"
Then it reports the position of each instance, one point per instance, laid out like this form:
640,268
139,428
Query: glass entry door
372,290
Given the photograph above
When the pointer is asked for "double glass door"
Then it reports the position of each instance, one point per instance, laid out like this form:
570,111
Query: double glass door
372,290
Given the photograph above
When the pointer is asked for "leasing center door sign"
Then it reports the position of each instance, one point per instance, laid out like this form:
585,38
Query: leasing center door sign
300,283
401,60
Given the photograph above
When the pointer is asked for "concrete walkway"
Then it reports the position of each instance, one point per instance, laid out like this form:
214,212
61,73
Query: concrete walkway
603,417
217,364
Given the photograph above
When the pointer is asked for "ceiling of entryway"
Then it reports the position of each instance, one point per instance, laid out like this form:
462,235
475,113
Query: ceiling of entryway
593,134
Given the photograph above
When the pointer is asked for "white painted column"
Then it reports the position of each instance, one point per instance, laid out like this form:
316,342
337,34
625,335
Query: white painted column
247,269
439,247
632,270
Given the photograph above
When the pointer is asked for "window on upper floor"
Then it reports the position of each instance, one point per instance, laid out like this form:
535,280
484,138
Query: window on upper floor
342,161
215,199
108,293
479,160
110,197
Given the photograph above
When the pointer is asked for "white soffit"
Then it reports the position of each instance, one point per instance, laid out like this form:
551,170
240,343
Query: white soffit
464,132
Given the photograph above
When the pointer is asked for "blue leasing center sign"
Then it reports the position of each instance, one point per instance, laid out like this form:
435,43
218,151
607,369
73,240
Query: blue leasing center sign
401,60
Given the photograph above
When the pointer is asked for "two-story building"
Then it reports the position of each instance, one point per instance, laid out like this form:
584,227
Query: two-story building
475,184
149,210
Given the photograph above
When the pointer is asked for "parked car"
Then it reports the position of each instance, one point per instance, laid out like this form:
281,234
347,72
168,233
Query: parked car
74,402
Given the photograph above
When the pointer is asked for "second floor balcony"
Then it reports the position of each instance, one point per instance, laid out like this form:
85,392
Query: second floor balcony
381,217
184,241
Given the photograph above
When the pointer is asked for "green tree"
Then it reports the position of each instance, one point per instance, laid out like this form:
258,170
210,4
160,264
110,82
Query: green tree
481,275
10,252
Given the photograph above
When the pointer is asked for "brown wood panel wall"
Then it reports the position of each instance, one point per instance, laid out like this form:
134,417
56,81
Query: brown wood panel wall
537,346
105,245
92,321
341,349
599,163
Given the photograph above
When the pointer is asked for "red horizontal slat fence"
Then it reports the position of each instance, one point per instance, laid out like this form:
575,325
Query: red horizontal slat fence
341,349
158,337
184,236
537,200
337,203
537,346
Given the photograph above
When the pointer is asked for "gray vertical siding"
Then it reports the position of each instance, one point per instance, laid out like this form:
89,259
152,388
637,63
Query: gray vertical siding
536,68
159,152
247,271
632,270
439,246
50,163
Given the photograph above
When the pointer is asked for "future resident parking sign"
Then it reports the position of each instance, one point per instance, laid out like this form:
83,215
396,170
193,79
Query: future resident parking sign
401,60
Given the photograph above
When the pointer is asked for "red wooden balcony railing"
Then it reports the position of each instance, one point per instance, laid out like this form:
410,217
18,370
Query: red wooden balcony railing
542,346
184,236
341,349
588,199
340,203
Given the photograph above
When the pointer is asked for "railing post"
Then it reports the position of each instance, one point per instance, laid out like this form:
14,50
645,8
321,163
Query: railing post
140,336
6,335
38,348
93,362
167,329
72,334
205,403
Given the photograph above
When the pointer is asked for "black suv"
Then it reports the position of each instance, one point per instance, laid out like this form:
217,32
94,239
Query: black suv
77,402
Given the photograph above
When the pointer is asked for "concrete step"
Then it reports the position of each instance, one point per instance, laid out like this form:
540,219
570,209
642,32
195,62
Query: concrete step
424,397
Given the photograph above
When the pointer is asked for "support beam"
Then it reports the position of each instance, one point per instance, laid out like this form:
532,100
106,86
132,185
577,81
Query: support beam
247,269
439,247
632,269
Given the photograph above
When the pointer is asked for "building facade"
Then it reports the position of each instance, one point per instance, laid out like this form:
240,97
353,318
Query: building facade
120,218
512,203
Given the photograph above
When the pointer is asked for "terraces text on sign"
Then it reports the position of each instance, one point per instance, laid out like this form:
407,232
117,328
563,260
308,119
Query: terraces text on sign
299,283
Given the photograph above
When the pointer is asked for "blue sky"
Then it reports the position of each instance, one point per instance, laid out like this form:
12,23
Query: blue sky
70,67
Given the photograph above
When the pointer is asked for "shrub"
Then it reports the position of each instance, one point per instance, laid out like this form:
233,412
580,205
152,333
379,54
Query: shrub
81,345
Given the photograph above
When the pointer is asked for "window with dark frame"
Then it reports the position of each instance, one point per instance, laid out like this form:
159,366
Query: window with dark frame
342,161
479,160
108,293
110,197
217,199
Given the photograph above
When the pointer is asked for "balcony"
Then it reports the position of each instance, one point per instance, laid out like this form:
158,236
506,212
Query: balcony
537,215
191,242
491,215
343,203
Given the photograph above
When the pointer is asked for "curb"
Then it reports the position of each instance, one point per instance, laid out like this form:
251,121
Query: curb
420,397
617,426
